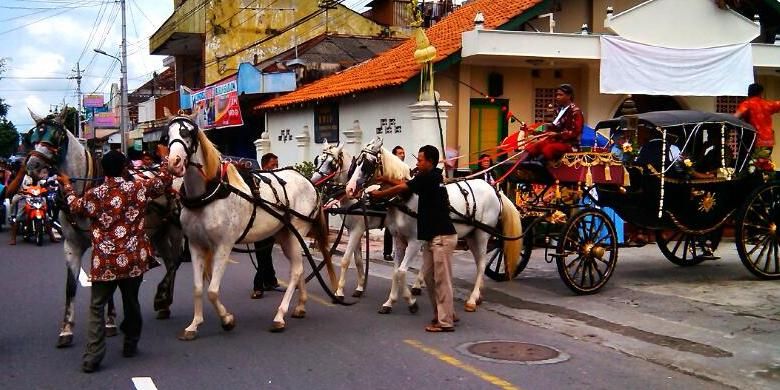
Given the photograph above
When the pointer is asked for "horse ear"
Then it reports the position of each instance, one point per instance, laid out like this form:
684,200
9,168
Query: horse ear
379,141
63,115
325,144
35,117
339,147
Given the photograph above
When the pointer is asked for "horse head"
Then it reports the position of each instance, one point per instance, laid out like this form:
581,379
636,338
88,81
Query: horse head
365,167
46,143
328,163
182,144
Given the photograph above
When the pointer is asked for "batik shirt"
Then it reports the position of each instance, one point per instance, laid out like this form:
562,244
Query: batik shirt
117,208
758,112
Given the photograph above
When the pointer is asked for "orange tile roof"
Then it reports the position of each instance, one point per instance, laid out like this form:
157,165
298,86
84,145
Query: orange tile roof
397,65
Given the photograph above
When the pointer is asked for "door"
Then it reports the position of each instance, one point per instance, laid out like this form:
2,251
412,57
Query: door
488,126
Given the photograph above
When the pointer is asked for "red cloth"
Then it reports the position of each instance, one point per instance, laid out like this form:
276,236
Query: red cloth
564,136
758,112
117,209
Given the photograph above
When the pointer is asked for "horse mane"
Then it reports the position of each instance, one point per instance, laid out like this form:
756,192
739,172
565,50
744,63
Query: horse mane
212,160
394,168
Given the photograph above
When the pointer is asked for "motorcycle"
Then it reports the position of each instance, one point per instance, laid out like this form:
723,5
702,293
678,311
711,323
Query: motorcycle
53,205
33,225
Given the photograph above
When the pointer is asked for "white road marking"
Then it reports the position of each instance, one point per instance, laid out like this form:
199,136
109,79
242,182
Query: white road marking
144,383
84,279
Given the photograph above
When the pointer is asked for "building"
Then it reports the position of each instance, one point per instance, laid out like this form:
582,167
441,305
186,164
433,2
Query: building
511,64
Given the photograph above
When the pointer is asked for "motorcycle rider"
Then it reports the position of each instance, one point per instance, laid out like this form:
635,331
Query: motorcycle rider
18,203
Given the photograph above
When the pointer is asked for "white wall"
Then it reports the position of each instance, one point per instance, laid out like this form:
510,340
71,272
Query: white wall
146,111
294,120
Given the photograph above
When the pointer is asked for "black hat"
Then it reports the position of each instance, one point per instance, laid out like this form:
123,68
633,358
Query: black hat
567,89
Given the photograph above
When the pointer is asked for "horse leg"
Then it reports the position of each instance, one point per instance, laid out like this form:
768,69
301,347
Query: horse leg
361,271
412,249
220,261
73,253
345,260
292,251
111,330
199,274
404,252
477,242
172,259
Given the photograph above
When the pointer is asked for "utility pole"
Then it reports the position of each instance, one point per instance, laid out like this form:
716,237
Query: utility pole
125,120
77,128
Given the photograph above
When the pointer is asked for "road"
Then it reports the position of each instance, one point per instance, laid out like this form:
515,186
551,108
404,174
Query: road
655,326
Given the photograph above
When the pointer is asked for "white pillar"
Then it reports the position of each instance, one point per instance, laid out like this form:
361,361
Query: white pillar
262,145
354,137
302,141
425,124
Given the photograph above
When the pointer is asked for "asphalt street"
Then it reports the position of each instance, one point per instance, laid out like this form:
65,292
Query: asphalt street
656,326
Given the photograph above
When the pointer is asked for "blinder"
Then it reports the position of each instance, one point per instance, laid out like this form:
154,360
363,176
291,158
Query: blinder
52,134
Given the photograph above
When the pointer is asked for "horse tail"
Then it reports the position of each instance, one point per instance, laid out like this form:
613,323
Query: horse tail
510,227
321,233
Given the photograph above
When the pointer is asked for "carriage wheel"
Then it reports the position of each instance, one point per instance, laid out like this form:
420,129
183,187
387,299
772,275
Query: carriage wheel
496,268
587,251
686,249
757,238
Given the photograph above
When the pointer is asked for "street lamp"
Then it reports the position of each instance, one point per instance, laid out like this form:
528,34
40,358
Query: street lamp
123,118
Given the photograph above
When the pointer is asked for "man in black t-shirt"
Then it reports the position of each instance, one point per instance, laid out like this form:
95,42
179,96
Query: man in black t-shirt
435,228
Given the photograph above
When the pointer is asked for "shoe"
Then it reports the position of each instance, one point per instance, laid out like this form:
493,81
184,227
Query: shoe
388,257
271,286
130,350
437,328
257,294
89,367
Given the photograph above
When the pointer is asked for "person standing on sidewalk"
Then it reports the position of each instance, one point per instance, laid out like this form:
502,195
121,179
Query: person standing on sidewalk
121,251
435,228
265,277
399,152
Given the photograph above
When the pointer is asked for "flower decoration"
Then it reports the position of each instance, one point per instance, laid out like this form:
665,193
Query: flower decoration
688,163
627,147
761,161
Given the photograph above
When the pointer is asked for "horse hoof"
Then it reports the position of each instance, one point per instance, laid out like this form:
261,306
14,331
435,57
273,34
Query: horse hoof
111,331
65,341
357,294
416,291
470,307
228,326
188,335
163,314
337,299
414,308
385,310
298,314
277,327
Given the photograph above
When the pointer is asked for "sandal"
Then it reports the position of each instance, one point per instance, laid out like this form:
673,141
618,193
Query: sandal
257,294
435,321
437,328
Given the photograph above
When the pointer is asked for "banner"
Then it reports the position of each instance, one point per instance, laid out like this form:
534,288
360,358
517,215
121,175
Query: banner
106,120
217,105
92,101
629,67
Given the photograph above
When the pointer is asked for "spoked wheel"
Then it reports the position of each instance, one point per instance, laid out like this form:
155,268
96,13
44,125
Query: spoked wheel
587,251
686,249
757,234
496,265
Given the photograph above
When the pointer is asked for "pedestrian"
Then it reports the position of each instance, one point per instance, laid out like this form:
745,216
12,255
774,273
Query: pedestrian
399,152
565,130
758,112
120,248
435,229
485,162
265,277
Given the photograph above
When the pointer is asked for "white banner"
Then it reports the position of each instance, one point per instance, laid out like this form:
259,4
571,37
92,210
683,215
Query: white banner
629,67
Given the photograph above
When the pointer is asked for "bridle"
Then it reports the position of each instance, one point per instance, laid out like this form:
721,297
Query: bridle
336,165
185,132
368,168
54,140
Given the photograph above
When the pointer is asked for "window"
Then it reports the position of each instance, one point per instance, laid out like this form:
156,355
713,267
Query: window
326,124
728,104
543,99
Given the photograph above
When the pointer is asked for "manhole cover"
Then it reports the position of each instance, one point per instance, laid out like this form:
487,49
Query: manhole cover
515,352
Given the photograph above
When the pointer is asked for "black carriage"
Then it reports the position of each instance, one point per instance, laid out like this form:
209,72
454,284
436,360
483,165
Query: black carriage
683,175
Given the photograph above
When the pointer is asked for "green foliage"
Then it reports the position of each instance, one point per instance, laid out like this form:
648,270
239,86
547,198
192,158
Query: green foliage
305,168
9,138
3,105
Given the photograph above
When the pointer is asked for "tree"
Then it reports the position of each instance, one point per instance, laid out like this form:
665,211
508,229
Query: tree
9,138
3,105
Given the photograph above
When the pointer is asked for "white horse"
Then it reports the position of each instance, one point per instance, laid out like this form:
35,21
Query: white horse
473,199
330,166
221,210
53,146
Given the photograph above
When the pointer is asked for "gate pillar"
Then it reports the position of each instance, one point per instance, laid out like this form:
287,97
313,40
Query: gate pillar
425,124
302,141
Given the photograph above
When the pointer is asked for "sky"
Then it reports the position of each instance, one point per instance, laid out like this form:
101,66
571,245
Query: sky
43,40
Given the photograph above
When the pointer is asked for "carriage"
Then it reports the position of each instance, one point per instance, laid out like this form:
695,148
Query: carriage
684,175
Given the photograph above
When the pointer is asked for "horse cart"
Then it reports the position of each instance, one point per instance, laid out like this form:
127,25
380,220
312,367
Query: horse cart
684,175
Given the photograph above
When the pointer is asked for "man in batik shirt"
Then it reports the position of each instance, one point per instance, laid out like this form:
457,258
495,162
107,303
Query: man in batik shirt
758,112
120,249
564,131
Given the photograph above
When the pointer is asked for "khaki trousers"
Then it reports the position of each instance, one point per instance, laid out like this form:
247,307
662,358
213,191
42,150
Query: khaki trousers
437,271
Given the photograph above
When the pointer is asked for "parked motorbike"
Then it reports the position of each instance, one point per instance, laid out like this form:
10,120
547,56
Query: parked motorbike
33,225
